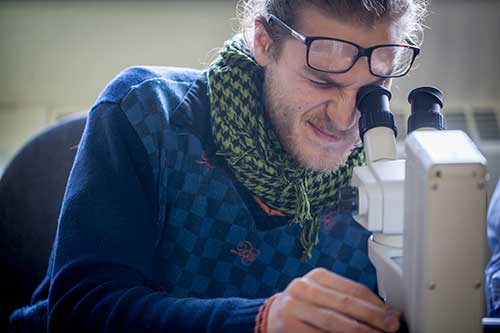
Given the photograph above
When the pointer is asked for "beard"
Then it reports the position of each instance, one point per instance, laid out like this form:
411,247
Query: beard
292,125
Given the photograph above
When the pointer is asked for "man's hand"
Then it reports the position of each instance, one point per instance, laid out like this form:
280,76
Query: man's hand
322,301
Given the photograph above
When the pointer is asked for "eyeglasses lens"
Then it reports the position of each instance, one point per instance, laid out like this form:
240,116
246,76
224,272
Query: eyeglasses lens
331,55
336,56
391,60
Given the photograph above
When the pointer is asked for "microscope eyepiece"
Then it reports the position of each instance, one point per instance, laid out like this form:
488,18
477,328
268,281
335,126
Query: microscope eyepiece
426,104
373,103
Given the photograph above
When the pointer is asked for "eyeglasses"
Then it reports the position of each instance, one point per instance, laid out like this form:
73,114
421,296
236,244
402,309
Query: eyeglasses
333,55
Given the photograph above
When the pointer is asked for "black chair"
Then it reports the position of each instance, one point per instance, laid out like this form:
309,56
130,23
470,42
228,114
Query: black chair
31,191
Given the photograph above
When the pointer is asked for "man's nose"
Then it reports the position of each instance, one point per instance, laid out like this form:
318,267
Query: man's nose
342,111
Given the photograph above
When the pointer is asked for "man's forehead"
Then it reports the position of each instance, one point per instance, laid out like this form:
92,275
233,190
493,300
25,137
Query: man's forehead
310,21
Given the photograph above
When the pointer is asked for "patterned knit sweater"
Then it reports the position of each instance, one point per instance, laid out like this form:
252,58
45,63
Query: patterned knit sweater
155,234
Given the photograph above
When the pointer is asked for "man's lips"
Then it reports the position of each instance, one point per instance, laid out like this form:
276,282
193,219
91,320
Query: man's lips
322,134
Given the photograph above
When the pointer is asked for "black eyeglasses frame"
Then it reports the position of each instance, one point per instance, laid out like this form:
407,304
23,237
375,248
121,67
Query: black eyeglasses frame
362,52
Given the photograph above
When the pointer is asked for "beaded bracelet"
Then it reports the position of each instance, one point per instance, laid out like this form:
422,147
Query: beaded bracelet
263,314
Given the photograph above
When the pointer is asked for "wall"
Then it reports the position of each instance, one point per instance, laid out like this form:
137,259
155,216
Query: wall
55,57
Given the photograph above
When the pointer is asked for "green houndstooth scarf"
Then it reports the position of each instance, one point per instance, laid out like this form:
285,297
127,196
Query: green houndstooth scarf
244,136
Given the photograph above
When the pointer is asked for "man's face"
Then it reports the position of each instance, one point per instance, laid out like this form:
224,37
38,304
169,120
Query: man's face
314,113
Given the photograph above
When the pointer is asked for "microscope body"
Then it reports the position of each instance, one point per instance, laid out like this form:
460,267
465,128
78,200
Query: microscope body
428,218
380,209
444,233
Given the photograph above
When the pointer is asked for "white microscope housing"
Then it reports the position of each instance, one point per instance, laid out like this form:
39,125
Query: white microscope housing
427,214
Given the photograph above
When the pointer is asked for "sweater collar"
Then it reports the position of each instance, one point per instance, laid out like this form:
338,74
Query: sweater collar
193,114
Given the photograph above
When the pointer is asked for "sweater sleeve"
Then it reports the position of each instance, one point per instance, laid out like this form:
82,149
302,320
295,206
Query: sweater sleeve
101,279
493,268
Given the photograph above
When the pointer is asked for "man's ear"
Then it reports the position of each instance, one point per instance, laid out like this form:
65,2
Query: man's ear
261,45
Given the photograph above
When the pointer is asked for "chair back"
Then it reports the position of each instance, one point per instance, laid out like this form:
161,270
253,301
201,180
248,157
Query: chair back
31,192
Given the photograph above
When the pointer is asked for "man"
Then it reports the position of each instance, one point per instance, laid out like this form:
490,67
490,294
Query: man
493,269
204,201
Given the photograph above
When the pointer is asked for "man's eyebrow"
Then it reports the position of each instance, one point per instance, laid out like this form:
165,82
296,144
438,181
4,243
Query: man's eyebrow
322,76
317,74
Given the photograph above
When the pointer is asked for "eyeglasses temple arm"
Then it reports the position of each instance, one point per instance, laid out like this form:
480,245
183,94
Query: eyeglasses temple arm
295,34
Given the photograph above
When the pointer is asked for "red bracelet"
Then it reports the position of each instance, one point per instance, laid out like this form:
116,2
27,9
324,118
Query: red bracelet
263,314
258,318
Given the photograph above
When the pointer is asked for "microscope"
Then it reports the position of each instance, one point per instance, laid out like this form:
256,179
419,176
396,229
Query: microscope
427,213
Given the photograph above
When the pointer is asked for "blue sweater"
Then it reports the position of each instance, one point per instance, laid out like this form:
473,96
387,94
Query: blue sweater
155,234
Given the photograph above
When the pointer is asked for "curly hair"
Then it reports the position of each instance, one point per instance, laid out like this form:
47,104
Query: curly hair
406,15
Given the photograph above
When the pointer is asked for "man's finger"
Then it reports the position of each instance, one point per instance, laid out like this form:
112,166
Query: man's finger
299,326
328,320
333,281
308,291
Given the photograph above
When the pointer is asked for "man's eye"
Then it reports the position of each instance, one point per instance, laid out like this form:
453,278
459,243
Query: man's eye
323,84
